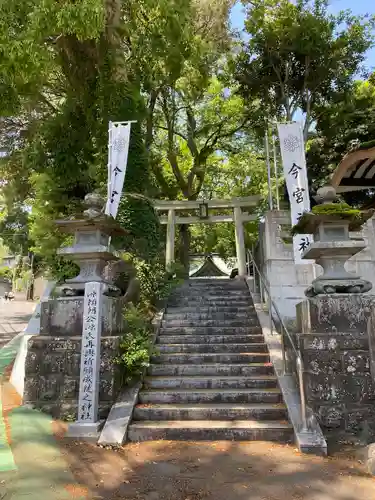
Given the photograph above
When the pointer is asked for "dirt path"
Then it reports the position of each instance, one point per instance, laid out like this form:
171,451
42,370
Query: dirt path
163,470
31,462
47,466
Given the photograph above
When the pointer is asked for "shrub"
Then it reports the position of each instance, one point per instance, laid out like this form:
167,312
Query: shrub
136,345
155,282
6,273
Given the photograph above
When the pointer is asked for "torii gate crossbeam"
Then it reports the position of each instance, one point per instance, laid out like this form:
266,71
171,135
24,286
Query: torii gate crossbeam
238,217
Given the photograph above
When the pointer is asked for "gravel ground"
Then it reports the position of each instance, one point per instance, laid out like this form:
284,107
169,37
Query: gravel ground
164,470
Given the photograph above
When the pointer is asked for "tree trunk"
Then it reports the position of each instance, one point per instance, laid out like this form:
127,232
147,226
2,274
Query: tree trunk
184,248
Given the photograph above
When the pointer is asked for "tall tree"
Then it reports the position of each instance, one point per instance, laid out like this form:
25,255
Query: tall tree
299,57
65,73
175,91
345,125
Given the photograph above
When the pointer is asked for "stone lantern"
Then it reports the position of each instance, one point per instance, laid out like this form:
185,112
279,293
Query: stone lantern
333,324
91,248
53,364
332,247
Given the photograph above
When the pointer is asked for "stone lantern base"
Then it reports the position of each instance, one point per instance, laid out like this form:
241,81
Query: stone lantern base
52,371
334,344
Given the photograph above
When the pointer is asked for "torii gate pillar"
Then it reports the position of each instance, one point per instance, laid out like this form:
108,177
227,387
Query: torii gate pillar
240,241
171,229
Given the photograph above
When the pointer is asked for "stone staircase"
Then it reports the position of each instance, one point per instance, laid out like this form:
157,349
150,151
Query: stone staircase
211,378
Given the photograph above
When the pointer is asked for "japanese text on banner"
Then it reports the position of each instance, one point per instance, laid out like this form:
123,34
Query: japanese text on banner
118,148
294,166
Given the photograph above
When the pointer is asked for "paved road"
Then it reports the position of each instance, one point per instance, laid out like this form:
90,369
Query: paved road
14,317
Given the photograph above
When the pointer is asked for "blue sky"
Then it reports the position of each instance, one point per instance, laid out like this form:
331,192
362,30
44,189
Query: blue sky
357,7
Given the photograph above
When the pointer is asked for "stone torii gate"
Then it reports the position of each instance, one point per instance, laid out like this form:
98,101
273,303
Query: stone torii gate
168,210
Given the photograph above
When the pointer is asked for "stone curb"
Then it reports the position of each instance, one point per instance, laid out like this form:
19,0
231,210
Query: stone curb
309,442
115,430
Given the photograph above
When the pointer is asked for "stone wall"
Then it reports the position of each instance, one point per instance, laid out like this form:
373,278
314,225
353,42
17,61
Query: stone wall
52,375
287,282
335,349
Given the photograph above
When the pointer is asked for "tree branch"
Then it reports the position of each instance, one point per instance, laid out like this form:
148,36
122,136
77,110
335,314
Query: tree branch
191,128
174,131
167,190
172,157
150,119
284,96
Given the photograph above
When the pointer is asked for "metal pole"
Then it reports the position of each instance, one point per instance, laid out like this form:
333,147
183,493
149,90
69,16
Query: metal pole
254,271
302,394
270,201
110,126
270,314
283,352
276,172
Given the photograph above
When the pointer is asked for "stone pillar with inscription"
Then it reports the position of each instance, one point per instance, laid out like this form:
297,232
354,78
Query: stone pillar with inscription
88,421
333,331
70,370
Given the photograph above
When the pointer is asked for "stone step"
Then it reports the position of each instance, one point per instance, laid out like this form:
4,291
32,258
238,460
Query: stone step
178,358
209,297
214,282
211,330
215,315
209,292
211,348
203,302
218,382
211,309
211,430
255,411
211,322
212,369
213,286
271,395
209,339
219,289
220,294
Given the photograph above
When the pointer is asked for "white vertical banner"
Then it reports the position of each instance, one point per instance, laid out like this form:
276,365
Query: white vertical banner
118,148
294,164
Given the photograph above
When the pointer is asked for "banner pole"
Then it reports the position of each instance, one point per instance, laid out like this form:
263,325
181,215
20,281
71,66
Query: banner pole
270,201
109,163
276,171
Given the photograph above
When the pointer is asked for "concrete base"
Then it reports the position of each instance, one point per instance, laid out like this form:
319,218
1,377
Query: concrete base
335,348
116,426
17,377
33,328
86,431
